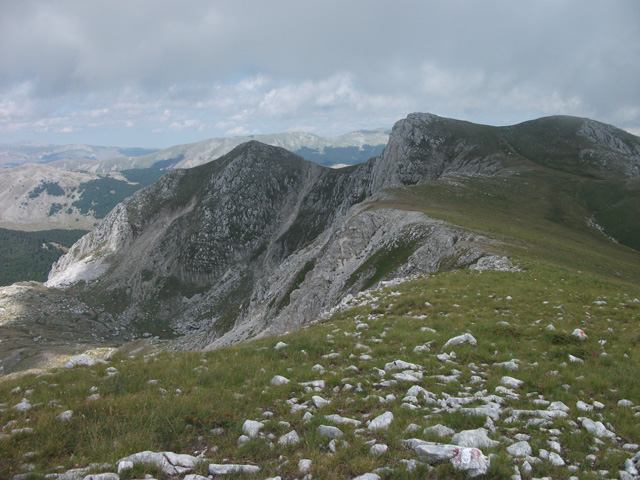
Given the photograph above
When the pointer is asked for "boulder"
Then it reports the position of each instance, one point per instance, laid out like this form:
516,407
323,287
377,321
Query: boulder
290,438
440,430
279,380
459,340
477,438
519,449
218,469
329,432
381,422
378,449
469,460
251,428
80,360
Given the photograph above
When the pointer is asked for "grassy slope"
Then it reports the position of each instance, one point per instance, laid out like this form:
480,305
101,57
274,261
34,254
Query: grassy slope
567,268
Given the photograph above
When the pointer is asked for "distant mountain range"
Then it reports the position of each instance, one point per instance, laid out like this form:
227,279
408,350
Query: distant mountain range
73,186
261,241
15,154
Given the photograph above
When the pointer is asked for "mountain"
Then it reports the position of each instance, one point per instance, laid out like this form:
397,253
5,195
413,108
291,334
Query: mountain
14,154
260,241
349,149
41,197
74,186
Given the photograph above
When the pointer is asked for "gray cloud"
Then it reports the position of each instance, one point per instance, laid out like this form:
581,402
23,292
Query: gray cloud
188,70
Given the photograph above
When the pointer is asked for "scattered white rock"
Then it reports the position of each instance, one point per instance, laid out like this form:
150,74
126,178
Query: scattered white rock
558,406
65,416
251,428
477,438
304,465
381,422
319,402
573,359
290,438
519,449
80,360
378,449
596,428
279,380
511,382
23,406
339,420
440,430
218,469
469,460
401,365
368,476
578,333
580,405
556,460
459,340
329,431
280,345
511,365
625,403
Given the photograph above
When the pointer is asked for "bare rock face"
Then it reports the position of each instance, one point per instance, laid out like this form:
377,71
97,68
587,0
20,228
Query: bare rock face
257,241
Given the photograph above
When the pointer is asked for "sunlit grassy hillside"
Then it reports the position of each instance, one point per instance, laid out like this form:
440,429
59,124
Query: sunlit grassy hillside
572,276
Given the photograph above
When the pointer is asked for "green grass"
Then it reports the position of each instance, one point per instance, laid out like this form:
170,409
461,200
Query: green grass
224,387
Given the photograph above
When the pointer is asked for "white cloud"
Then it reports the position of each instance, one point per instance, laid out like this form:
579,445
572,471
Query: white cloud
149,67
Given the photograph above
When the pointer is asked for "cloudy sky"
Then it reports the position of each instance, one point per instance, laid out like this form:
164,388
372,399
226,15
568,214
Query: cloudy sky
155,73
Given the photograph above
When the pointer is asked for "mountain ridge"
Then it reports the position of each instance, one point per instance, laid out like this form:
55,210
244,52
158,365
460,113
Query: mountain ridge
261,241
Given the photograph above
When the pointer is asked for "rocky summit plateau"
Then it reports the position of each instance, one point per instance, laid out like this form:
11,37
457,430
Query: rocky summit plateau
464,304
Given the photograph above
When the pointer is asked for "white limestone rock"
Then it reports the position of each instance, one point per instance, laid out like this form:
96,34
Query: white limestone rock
280,345
580,405
440,430
401,365
304,465
368,476
319,402
596,428
477,438
65,416
510,365
251,428
339,420
556,459
511,382
381,422
290,438
102,476
469,460
226,469
519,449
23,406
378,449
579,334
329,431
459,340
558,406
279,380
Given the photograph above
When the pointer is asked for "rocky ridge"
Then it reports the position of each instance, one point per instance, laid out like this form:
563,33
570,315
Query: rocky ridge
260,241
